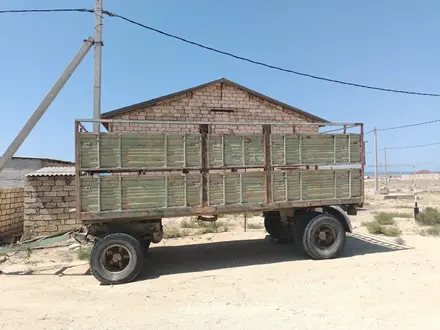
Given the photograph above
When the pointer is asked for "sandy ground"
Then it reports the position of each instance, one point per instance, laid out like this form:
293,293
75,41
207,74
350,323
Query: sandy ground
236,280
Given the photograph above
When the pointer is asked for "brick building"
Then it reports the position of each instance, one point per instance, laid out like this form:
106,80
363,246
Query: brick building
217,101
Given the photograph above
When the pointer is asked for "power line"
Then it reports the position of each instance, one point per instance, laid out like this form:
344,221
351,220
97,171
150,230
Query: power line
416,146
404,126
242,58
409,125
16,11
407,147
270,65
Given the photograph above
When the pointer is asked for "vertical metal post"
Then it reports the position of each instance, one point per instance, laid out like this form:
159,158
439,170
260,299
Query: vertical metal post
97,66
78,172
385,169
362,163
44,105
204,129
376,176
267,130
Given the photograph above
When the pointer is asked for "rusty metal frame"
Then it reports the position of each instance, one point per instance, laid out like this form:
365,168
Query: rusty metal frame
204,169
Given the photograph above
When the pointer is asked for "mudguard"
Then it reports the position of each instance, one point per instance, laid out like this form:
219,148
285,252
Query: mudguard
341,215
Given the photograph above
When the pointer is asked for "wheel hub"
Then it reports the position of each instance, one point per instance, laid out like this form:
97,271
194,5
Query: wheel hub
116,258
325,237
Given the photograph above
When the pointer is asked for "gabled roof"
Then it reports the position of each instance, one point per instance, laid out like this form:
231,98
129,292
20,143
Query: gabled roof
137,106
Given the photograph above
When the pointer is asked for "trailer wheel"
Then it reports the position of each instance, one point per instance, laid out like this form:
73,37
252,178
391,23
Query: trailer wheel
117,258
301,222
276,228
323,236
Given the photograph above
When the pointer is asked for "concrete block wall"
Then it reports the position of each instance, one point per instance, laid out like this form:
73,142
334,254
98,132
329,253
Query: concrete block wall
11,211
215,103
15,170
47,201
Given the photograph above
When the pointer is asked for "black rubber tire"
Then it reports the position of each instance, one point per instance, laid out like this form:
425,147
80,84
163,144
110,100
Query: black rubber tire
309,243
275,227
301,222
128,242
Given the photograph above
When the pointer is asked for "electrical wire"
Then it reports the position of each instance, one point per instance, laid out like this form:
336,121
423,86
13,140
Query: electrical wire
222,52
409,125
403,126
16,11
406,147
270,65
415,146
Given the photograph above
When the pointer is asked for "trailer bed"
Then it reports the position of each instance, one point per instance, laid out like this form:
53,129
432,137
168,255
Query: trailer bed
155,175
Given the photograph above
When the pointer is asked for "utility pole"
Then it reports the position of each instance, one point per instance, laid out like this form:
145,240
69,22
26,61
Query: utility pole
97,66
376,177
47,101
386,170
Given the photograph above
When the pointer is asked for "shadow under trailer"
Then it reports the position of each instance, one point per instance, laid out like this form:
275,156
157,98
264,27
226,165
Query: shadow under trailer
305,185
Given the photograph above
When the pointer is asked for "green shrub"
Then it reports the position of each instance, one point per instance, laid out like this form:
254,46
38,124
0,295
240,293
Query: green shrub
428,217
207,227
384,218
391,231
84,253
189,224
374,227
431,231
402,215
173,232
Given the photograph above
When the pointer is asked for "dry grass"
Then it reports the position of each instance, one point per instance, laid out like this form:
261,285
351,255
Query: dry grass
391,231
402,215
205,227
383,224
431,231
174,232
400,241
385,218
254,226
428,217
84,253
212,227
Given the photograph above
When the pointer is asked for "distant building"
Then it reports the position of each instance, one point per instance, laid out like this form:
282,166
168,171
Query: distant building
424,172
13,174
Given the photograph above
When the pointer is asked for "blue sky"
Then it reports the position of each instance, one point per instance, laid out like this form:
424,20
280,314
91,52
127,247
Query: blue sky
386,43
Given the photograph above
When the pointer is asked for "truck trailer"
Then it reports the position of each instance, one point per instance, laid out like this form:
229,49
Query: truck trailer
305,185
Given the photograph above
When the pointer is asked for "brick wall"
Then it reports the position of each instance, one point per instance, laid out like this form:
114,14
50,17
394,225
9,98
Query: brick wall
11,211
47,201
205,104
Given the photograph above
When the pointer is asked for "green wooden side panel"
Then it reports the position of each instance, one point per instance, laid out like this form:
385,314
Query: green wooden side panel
137,193
139,150
235,188
322,149
235,150
119,193
154,150
316,185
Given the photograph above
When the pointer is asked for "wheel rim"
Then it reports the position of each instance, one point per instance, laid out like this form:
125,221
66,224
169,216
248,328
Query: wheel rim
325,237
116,258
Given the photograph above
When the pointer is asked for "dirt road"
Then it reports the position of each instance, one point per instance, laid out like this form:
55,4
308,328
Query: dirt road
236,281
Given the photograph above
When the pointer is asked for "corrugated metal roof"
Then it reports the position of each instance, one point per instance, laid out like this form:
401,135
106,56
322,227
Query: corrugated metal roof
54,171
65,162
